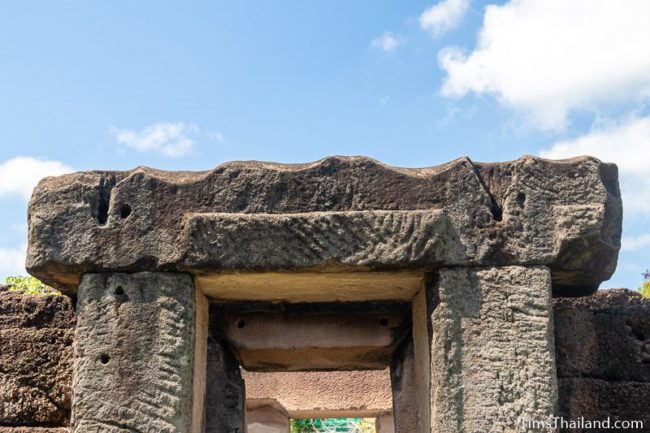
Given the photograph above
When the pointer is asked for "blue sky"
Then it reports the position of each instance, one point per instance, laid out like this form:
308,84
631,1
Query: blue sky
188,85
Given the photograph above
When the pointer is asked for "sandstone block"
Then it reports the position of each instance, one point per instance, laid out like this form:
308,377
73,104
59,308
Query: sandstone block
33,430
323,394
604,336
348,214
405,415
603,356
290,342
36,335
138,338
491,352
266,417
225,400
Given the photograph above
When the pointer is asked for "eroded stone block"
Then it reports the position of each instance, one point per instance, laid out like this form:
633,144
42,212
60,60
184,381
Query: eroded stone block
337,214
138,343
266,416
323,394
225,400
603,356
290,342
33,430
36,335
406,402
385,423
492,363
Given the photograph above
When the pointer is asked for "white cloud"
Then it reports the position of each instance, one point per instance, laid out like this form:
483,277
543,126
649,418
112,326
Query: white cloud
634,243
12,261
387,42
627,143
21,174
172,139
546,58
443,16
216,136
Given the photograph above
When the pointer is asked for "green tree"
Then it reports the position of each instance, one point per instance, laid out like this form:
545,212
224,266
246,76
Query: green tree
333,425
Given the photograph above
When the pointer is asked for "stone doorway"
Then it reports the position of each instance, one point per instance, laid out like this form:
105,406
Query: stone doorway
474,250
332,359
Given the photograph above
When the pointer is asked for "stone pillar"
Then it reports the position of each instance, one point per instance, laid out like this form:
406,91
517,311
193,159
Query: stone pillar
225,400
266,416
139,359
385,423
491,350
403,382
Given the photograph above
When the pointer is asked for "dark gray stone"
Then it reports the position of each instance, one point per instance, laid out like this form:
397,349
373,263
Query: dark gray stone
491,350
36,335
225,400
341,212
406,416
134,354
603,356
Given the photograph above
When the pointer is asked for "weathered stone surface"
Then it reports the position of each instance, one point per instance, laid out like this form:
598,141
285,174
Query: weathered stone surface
135,357
225,397
385,423
27,311
266,417
336,214
290,342
492,363
405,415
33,430
603,356
598,400
36,335
316,394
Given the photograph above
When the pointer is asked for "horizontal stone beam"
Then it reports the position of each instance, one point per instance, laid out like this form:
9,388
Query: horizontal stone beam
322,394
340,214
286,342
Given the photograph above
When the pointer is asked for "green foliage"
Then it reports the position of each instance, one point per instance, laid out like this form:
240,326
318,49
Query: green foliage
645,286
30,286
333,425
645,289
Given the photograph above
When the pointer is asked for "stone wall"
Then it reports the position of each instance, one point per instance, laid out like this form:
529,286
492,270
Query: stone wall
602,348
603,356
36,335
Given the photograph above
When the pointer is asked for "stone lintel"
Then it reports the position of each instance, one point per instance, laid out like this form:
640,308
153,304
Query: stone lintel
300,287
340,214
286,342
322,394
139,361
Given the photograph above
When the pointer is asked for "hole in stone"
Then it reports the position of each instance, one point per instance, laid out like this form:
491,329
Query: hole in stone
383,321
521,198
125,211
119,291
241,323
104,358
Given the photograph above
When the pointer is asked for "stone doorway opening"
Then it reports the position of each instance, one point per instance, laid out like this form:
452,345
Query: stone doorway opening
319,402
334,425
475,251
321,357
